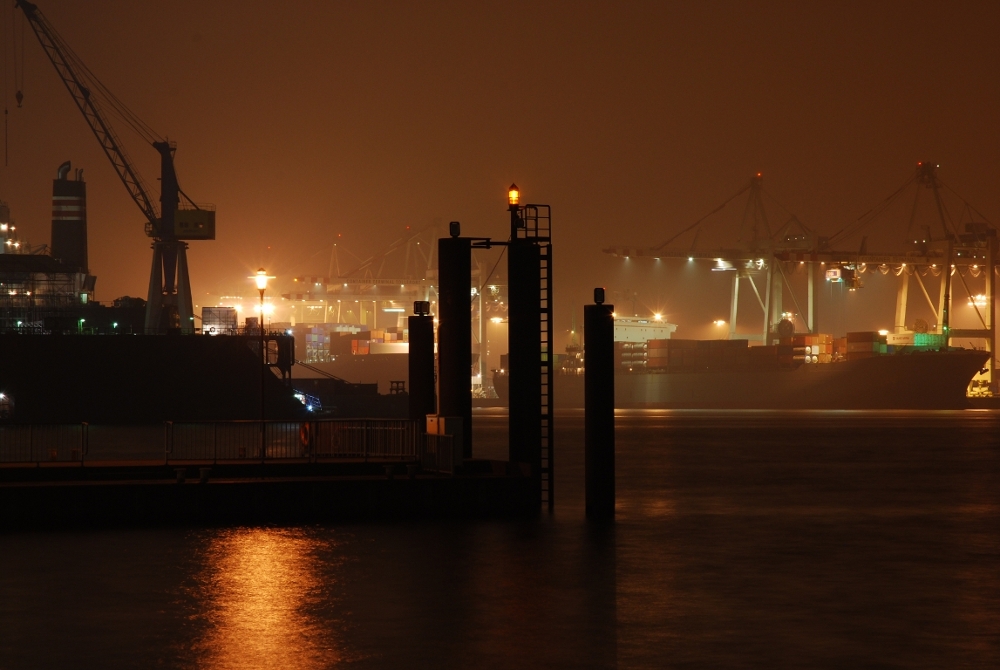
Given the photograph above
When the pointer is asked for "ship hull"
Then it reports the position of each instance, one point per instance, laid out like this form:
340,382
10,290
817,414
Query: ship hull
918,380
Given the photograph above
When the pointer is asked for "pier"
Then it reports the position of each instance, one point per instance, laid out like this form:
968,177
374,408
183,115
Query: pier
224,472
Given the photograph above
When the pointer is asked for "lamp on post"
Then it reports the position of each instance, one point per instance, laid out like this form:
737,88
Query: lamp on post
260,279
514,205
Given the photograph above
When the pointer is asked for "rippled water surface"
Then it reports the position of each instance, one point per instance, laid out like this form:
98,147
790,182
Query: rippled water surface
744,539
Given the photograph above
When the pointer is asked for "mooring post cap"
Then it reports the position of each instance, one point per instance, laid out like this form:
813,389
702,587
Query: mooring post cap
599,295
454,228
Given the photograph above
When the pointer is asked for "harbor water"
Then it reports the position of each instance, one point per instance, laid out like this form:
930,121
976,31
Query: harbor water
743,539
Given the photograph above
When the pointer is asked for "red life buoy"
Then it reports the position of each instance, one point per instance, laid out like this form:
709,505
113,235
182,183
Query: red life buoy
304,436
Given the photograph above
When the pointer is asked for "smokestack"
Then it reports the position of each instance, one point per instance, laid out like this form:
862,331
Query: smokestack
69,219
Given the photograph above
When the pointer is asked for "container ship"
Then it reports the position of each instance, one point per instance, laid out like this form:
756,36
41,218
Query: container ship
859,371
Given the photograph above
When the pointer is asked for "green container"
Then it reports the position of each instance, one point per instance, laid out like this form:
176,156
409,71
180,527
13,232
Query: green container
928,340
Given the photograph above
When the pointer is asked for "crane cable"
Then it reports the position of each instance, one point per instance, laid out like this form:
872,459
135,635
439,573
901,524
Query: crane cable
18,85
95,85
490,275
869,217
699,221
3,31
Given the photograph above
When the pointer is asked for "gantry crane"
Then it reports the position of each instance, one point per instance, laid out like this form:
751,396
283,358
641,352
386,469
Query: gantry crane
169,305
974,249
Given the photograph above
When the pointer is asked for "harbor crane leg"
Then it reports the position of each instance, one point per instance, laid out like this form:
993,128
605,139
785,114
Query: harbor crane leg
777,279
812,316
944,304
991,286
734,306
901,296
767,305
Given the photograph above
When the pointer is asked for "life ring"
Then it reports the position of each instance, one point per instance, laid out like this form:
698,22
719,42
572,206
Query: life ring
305,435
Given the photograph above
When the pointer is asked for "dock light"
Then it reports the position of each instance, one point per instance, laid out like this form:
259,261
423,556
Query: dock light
719,322
114,325
658,317
513,195
497,319
260,278
883,332
690,258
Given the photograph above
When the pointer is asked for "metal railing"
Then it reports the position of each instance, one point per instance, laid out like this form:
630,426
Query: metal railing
439,453
213,441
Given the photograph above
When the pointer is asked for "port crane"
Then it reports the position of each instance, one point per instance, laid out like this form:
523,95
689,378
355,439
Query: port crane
972,251
169,305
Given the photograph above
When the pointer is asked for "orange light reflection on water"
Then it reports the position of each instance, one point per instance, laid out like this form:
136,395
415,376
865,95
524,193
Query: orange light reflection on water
258,587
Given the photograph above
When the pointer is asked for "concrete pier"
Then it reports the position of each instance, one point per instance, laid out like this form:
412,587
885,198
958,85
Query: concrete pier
96,496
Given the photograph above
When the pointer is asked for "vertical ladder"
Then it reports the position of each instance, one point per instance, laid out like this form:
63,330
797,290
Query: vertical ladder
537,220
545,303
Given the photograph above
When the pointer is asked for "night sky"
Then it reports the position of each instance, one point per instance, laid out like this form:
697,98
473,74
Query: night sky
304,120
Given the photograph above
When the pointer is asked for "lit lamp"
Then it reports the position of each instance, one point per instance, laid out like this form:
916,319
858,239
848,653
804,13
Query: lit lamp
514,205
260,279
513,196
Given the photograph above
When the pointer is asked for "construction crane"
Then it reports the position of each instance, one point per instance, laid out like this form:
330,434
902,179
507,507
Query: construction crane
169,306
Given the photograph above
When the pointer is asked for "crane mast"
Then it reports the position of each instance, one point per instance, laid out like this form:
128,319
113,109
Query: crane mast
169,305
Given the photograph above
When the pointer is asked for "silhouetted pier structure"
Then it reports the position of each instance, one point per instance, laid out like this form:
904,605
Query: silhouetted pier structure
217,472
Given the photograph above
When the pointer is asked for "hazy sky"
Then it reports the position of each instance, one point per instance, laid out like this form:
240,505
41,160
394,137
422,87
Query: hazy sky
302,120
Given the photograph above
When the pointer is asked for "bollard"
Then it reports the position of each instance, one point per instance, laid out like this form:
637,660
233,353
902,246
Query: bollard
454,312
422,397
599,408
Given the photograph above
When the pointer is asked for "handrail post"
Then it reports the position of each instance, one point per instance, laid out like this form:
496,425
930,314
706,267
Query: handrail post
215,443
84,441
168,440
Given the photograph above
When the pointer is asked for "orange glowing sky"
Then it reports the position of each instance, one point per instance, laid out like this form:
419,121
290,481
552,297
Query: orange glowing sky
301,120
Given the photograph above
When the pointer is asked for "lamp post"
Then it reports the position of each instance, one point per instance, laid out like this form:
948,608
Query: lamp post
514,206
260,279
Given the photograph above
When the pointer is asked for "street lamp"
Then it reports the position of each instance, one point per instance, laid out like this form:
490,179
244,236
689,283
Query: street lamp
260,279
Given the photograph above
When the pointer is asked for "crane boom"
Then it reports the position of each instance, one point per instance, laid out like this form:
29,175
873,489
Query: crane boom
91,111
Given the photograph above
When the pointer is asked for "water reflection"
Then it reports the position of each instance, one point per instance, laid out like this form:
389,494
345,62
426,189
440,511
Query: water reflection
258,591
799,540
